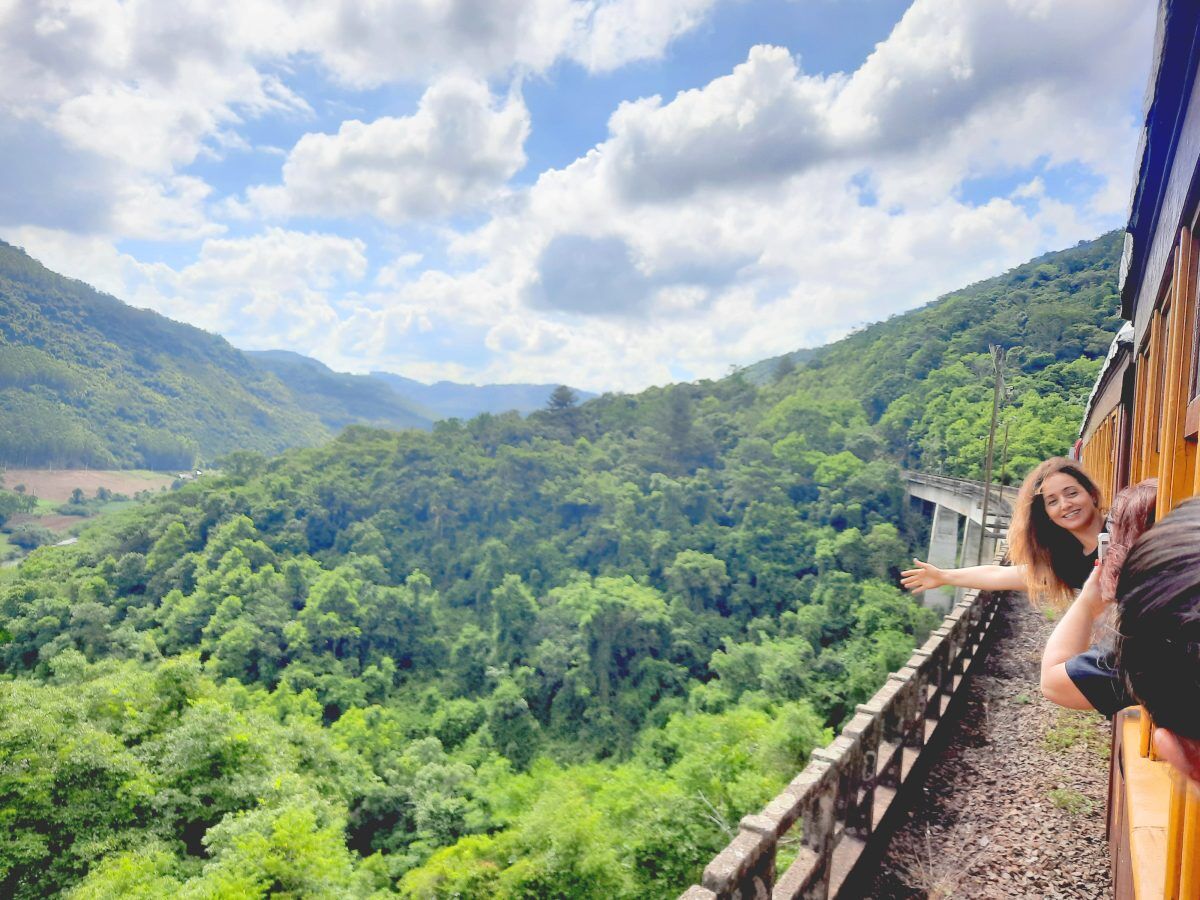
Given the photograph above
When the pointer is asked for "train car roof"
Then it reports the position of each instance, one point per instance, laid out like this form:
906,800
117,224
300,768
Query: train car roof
1165,190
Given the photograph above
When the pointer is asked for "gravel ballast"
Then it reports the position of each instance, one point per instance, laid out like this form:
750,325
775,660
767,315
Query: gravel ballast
1015,806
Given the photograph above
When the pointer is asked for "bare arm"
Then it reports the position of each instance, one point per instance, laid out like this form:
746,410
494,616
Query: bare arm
1072,635
987,578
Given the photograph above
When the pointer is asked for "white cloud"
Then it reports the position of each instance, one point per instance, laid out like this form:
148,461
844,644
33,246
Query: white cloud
990,72
374,42
767,210
150,86
278,289
397,272
771,209
370,43
622,31
455,152
763,121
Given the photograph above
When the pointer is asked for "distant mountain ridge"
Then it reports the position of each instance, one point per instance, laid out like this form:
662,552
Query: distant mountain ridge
88,381
387,400
451,400
339,398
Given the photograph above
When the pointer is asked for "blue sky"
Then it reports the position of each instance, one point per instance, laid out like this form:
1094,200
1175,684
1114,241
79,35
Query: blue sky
610,193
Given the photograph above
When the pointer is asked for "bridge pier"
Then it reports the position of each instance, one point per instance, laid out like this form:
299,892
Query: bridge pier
953,499
972,537
943,553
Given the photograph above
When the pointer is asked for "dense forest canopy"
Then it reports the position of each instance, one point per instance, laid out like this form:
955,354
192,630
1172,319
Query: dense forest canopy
554,656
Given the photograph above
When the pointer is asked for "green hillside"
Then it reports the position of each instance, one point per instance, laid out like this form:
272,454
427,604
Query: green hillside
774,368
923,379
86,380
511,657
339,399
89,381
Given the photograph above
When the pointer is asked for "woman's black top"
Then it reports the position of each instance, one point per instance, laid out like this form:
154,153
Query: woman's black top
1076,567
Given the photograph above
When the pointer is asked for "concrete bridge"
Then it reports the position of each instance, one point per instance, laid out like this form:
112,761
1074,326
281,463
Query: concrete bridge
959,536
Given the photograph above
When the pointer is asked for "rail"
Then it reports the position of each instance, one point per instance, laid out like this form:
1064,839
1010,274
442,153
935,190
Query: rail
832,809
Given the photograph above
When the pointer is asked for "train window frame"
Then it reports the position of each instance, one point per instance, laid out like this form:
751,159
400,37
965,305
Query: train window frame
1191,418
1160,356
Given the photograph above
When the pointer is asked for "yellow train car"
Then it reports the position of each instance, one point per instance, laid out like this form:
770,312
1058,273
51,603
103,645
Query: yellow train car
1142,422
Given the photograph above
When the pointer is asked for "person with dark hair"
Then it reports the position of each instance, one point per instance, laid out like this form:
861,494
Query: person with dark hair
1052,539
1158,647
1077,673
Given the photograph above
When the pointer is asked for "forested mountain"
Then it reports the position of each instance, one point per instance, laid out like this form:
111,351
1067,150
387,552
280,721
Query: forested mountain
86,380
450,400
339,399
89,381
553,656
924,379
774,368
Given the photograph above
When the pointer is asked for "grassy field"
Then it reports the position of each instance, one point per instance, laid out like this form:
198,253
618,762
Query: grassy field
53,489
55,485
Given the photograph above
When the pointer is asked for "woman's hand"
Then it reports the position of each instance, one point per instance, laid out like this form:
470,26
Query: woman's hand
925,577
1091,598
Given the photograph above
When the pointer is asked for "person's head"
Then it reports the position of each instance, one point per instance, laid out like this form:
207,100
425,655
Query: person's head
1159,624
1058,509
1131,514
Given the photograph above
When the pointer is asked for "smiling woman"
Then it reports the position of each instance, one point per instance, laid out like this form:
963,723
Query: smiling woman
1052,539
1055,528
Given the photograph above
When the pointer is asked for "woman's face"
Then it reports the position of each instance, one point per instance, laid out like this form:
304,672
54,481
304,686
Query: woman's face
1068,504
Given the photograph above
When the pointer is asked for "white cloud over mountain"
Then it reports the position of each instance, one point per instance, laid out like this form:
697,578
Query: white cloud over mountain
757,181
766,209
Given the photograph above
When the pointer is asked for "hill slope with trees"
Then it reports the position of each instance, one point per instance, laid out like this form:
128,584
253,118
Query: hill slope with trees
924,378
510,657
339,399
87,381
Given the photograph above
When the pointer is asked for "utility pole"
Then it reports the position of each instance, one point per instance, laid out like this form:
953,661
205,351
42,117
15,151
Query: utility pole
1004,458
998,354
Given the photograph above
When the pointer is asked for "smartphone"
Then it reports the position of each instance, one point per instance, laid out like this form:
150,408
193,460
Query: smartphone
1101,545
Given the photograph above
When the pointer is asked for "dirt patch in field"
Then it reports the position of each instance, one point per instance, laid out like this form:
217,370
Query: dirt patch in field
57,484
54,523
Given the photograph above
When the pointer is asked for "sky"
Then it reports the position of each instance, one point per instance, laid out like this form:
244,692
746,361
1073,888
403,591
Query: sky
604,193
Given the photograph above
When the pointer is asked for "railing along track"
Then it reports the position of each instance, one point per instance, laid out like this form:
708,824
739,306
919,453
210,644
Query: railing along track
834,807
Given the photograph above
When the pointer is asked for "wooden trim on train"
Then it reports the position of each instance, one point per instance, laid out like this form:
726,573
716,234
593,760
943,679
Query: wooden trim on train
1154,820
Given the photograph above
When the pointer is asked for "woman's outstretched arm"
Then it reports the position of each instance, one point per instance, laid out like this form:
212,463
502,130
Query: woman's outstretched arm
987,578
